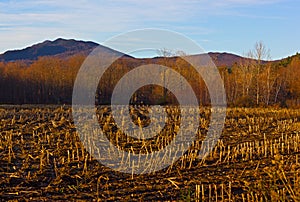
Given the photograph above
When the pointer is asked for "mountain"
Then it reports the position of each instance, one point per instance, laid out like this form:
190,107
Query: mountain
225,59
68,47
59,47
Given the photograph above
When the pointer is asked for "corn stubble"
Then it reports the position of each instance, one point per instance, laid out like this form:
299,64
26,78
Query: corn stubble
256,158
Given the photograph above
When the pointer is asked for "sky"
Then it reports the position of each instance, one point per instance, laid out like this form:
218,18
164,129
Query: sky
216,25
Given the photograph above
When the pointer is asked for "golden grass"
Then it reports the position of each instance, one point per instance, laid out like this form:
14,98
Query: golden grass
256,159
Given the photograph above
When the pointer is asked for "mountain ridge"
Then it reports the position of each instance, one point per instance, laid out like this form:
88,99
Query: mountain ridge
58,47
67,47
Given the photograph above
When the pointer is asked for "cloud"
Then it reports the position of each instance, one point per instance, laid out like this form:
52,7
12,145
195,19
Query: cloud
29,19
239,3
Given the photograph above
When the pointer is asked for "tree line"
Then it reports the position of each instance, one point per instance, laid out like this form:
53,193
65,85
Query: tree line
250,82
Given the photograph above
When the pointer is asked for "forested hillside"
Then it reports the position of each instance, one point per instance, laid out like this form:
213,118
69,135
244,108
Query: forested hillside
49,80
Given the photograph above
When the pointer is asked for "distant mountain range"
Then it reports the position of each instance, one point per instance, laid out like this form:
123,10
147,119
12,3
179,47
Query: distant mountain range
68,47
58,47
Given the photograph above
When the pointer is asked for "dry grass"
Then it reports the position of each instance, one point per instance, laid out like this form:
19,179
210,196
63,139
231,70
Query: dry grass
256,159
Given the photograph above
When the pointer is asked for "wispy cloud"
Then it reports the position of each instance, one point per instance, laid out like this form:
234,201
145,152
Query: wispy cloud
36,19
239,3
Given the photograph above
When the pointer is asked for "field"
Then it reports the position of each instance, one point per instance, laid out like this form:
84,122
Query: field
256,159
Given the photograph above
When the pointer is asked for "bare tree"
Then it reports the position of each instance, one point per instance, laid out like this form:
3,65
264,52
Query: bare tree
258,55
246,73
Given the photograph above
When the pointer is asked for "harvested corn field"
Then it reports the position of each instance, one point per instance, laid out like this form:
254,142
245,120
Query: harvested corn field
256,158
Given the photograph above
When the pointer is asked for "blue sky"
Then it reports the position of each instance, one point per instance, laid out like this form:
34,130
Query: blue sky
216,25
